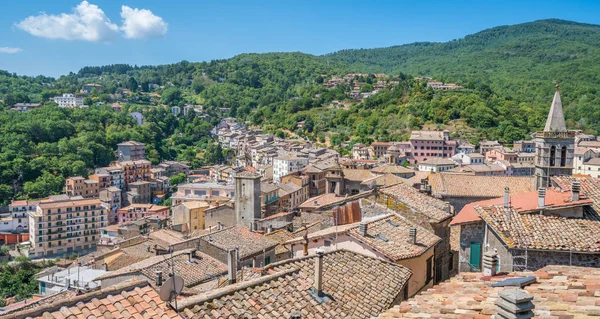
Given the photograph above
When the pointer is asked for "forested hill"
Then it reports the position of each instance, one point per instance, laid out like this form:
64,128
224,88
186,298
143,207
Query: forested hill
518,61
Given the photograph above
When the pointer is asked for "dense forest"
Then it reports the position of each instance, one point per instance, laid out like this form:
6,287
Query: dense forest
507,73
42,147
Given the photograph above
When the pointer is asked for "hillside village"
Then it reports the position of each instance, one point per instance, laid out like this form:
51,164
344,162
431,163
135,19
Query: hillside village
430,227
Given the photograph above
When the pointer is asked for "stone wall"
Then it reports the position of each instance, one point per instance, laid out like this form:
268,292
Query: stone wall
539,259
442,251
223,214
459,202
469,233
505,255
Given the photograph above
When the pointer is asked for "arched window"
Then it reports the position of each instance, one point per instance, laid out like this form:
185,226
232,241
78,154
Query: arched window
563,156
552,155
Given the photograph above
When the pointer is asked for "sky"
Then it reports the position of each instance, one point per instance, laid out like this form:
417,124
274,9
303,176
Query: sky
60,36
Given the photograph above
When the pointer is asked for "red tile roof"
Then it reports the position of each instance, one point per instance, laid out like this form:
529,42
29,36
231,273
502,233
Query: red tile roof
560,292
526,202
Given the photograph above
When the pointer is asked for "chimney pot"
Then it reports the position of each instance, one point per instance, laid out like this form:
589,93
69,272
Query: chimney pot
158,274
541,197
490,263
232,256
362,229
575,188
514,303
413,235
319,272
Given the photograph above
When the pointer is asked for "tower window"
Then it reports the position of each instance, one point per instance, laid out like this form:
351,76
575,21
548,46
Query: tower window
552,155
563,156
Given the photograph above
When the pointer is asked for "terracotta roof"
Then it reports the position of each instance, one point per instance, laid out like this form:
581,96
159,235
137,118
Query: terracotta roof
543,232
69,203
349,279
431,207
356,175
390,236
280,236
392,169
526,202
249,243
560,292
437,161
384,180
131,299
458,185
166,237
202,268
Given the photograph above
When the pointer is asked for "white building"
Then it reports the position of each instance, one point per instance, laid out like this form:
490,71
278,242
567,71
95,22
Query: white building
18,218
139,118
76,278
68,100
436,165
582,157
286,164
468,159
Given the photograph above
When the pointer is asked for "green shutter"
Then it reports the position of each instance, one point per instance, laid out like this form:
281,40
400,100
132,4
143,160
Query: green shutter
475,259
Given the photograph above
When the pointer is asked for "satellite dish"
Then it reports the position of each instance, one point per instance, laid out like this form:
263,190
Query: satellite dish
171,288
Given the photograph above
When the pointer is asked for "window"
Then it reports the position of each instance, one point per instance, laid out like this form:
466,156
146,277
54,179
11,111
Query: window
563,156
429,274
327,243
552,155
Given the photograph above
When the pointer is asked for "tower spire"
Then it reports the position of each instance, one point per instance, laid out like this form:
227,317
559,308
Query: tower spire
556,119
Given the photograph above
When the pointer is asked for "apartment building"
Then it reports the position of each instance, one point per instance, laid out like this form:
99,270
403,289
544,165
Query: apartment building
79,186
131,151
137,211
135,170
116,175
63,225
103,180
202,191
431,144
68,100
111,197
18,216
283,165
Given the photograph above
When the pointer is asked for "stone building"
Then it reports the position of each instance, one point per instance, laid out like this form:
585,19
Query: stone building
247,199
531,230
430,213
555,146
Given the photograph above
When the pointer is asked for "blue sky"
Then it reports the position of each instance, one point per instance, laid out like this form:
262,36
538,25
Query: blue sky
158,32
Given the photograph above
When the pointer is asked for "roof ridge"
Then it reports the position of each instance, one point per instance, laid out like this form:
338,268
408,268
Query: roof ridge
98,294
199,299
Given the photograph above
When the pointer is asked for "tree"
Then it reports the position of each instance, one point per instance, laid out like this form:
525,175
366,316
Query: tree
6,193
177,179
132,84
171,96
45,185
214,154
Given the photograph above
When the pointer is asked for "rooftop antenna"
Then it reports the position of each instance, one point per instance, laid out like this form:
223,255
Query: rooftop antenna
172,286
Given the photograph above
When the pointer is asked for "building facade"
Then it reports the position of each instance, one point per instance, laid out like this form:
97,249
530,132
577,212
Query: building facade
68,100
284,165
64,226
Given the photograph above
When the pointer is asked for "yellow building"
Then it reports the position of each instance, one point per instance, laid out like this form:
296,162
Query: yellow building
189,216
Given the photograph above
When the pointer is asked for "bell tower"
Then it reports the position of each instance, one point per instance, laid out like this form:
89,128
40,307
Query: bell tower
554,146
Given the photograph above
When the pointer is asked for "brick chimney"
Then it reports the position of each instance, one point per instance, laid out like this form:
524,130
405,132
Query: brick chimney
412,235
541,197
318,285
362,229
514,303
575,187
490,262
232,257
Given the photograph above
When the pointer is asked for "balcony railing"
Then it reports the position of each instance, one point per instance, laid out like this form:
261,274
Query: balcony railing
565,135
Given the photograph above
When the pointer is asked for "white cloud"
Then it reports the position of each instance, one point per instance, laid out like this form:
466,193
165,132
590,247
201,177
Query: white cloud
142,23
10,50
87,22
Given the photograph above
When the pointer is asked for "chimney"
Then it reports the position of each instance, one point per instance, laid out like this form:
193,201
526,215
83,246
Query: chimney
105,267
319,272
541,197
412,235
514,303
295,315
506,197
232,265
490,262
158,278
424,185
362,229
219,226
575,186
269,228
189,256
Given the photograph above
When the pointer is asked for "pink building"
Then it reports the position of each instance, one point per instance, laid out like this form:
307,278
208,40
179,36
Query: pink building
431,144
138,211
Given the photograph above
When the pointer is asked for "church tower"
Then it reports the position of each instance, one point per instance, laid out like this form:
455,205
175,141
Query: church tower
554,146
